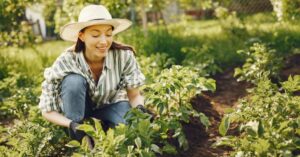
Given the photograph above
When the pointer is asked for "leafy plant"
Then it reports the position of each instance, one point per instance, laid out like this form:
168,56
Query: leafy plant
152,66
172,90
201,59
269,121
169,96
18,31
32,139
260,62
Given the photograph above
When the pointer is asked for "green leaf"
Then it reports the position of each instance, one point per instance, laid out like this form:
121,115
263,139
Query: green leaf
144,127
261,146
138,142
223,128
237,72
183,142
211,85
85,144
77,155
156,149
98,126
169,149
298,132
73,144
260,130
87,129
130,148
119,139
224,141
204,120
252,128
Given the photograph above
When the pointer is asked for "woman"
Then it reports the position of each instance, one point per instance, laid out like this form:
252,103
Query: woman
96,78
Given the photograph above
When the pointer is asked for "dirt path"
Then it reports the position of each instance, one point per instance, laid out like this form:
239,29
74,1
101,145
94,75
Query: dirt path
213,105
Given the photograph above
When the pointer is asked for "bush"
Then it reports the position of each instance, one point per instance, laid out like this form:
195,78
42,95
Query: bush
260,62
268,121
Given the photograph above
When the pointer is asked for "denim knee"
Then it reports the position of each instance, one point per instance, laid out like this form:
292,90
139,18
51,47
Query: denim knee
73,83
114,113
73,95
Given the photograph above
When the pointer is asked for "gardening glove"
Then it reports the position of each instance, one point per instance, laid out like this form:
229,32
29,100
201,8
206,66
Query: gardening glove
74,132
79,134
145,110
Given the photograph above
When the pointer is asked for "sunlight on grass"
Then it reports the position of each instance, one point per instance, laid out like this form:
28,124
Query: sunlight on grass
33,60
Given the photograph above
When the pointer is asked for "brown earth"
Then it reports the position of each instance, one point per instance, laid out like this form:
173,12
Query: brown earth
213,105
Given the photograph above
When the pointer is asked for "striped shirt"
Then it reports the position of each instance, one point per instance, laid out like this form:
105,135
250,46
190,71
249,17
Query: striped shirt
120,72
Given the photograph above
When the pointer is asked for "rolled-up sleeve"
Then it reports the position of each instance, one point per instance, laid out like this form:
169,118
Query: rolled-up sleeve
132,75
49,99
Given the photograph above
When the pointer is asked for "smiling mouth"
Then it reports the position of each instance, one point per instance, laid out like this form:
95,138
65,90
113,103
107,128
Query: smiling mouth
101,48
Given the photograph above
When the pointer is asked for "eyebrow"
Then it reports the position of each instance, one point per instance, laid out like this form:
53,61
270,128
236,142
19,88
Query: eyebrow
100,31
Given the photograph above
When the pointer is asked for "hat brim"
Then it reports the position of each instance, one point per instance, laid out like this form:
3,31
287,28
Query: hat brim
69,32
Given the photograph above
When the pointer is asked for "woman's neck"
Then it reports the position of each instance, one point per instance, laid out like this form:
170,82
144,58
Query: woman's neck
93,60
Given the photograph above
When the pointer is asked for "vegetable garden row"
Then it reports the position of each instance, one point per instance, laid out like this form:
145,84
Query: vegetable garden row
182,67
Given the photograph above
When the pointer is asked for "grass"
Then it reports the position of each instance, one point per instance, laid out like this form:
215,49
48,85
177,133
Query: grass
33,60
209,37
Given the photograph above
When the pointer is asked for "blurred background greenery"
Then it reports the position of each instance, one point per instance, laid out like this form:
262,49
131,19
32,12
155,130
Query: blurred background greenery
205,35
202,34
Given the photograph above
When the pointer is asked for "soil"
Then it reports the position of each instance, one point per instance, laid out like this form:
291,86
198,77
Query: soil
214,105
292,67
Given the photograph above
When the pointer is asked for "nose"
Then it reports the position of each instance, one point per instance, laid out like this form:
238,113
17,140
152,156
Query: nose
102,39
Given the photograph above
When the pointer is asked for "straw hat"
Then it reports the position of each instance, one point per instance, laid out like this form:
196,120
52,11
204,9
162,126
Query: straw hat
92,15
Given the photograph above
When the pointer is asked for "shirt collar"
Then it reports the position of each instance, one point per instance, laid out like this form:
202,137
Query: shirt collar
107,62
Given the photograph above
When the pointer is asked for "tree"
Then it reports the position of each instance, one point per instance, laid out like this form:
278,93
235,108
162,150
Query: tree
14,28
70,9
286,9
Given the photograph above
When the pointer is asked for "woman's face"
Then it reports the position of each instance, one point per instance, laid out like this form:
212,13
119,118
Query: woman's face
97,40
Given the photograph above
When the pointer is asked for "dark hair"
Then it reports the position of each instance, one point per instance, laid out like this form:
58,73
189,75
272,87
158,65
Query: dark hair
80,46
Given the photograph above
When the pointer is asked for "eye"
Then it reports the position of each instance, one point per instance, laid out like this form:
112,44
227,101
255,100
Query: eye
95,36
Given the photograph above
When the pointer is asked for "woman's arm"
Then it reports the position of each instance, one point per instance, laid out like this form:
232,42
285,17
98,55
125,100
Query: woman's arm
57,118
135,97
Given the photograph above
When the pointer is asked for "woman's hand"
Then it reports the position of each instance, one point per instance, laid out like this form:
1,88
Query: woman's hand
135,97
145,110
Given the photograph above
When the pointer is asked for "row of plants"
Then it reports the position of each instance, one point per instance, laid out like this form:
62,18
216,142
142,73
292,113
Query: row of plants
268,121
26,133
168,96
23,132
268,118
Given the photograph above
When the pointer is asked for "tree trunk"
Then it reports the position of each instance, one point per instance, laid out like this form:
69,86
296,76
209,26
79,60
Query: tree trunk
144,18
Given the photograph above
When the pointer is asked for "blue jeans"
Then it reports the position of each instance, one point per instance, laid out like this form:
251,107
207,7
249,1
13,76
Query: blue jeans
77,104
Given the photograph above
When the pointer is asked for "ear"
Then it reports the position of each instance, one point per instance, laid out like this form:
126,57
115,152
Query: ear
81,36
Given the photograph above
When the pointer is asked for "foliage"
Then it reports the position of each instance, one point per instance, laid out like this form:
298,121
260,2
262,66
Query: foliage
269,121
169,98
260,62
201,59
152,66
17,94
170,93
18,31
286,10
231,23
32,139
204,45
292,85
69,10
20,77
